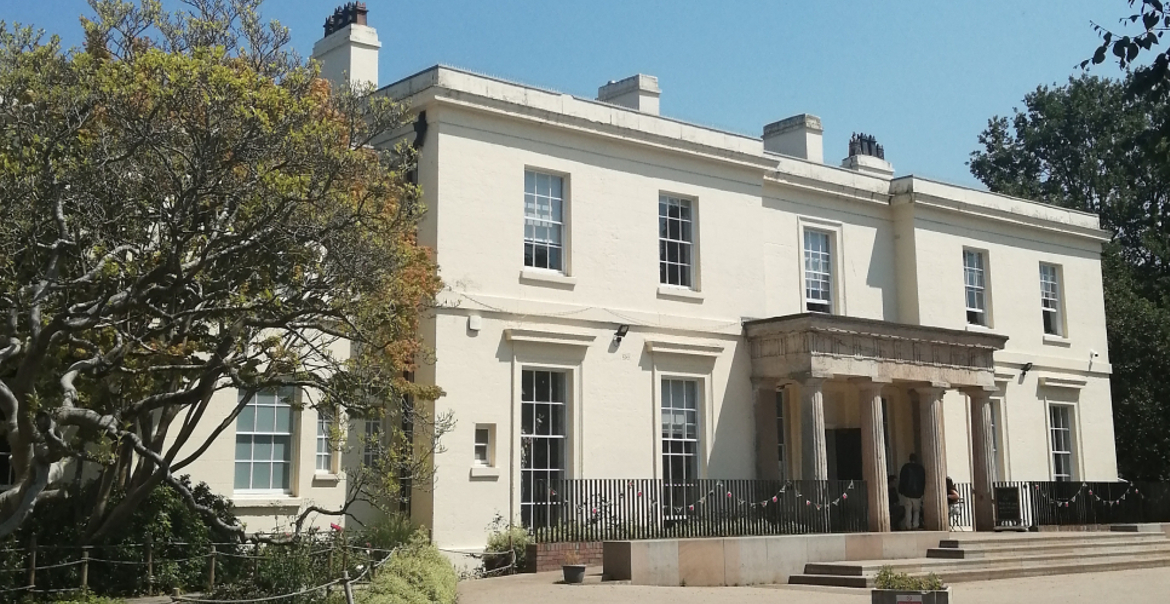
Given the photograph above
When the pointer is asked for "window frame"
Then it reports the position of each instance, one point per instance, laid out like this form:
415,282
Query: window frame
837,286
287,397
1056,310
981,289
372,434
530,505
330,423
488,446
782,419
691,223
1069,451
548,222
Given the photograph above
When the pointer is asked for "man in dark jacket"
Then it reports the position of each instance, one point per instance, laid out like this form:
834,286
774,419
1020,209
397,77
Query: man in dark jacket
911,486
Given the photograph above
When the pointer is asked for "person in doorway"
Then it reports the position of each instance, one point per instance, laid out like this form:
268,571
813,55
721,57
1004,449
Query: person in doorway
952,492
897,512
911,487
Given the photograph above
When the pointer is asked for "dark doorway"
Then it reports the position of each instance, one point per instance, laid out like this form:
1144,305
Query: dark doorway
847,445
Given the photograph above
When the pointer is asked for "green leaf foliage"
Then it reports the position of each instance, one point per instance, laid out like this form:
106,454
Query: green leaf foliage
1101,146
416,574
887,578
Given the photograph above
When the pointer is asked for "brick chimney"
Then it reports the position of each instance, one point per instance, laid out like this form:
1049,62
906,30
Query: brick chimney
799,136
349,50
639,92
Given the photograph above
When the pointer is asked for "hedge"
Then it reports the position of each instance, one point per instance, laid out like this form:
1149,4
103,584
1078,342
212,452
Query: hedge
417,573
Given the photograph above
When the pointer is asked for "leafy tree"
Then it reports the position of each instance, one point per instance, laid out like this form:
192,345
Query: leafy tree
1145,28
1092,145
188,209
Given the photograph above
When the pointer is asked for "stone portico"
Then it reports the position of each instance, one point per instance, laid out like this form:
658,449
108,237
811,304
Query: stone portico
877,363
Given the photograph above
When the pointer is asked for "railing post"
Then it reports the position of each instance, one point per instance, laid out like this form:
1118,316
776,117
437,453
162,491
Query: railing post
347,587
32,563
84,569
211,569
149,566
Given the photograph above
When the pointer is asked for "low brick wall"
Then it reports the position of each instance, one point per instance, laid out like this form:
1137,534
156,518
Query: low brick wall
542,557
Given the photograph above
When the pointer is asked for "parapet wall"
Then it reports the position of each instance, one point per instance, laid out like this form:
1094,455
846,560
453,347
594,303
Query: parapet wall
751,560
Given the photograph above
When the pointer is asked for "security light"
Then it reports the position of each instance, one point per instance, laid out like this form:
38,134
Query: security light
621,332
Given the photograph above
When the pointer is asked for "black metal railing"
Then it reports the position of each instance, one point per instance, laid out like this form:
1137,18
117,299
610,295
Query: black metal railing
1087,503
620,509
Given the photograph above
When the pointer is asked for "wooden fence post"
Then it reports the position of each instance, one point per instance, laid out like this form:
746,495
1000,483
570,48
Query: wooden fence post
32,563
211,570
84,569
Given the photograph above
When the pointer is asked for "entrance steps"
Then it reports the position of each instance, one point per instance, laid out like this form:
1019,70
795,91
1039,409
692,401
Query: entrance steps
982,556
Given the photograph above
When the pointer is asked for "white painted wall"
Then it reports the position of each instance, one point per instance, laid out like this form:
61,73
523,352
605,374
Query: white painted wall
896,262
898,247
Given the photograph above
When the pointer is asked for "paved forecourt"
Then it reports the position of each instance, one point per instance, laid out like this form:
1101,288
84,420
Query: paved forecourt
1131,586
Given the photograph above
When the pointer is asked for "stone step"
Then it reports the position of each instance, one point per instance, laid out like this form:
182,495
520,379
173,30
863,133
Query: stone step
940,565
1021,549
998,571
978,541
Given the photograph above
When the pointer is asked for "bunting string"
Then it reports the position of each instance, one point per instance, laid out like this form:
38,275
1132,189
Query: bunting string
598,504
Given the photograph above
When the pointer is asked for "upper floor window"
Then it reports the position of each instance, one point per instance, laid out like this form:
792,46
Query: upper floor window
1050,300
818,271
264,442
544,223
975,278
676,239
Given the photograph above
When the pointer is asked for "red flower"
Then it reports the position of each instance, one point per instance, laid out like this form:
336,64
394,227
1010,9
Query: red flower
334,526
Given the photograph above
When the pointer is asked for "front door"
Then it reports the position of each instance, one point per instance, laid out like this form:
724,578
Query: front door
847,446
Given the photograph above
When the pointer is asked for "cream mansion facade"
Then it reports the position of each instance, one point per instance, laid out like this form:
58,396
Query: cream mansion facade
632,296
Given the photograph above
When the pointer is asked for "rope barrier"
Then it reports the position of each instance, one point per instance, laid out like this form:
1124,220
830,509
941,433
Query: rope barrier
14,589
266,599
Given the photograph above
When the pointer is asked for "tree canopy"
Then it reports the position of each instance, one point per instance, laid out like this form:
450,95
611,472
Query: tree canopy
1093,145
188,208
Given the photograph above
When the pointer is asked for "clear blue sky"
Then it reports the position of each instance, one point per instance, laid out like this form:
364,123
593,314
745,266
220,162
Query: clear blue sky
923,77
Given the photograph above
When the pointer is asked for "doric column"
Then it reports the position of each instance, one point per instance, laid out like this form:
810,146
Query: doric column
767,441
873,456
814,460
934,458
983,452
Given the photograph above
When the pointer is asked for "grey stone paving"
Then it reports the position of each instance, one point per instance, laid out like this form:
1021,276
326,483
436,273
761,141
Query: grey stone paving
1131,586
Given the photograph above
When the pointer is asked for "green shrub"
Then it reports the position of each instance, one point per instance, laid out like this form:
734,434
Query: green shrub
505,546
418,573
390,531
888,579
90,599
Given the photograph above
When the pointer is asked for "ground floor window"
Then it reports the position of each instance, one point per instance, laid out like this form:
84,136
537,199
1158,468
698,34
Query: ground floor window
264,442
680,440
542,442
1062,443
781,453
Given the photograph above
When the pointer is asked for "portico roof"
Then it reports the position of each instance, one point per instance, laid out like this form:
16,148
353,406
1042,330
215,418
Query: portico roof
830,346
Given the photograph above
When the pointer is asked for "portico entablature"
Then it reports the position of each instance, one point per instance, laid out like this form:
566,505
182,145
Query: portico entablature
830,346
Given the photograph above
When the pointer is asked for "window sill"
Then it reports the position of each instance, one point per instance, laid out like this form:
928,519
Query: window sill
981,328
679,293
533,276
246,501
1057,340
325,479
485,473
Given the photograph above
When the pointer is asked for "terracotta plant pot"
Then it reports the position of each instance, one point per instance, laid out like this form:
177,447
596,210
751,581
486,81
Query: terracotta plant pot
574,573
